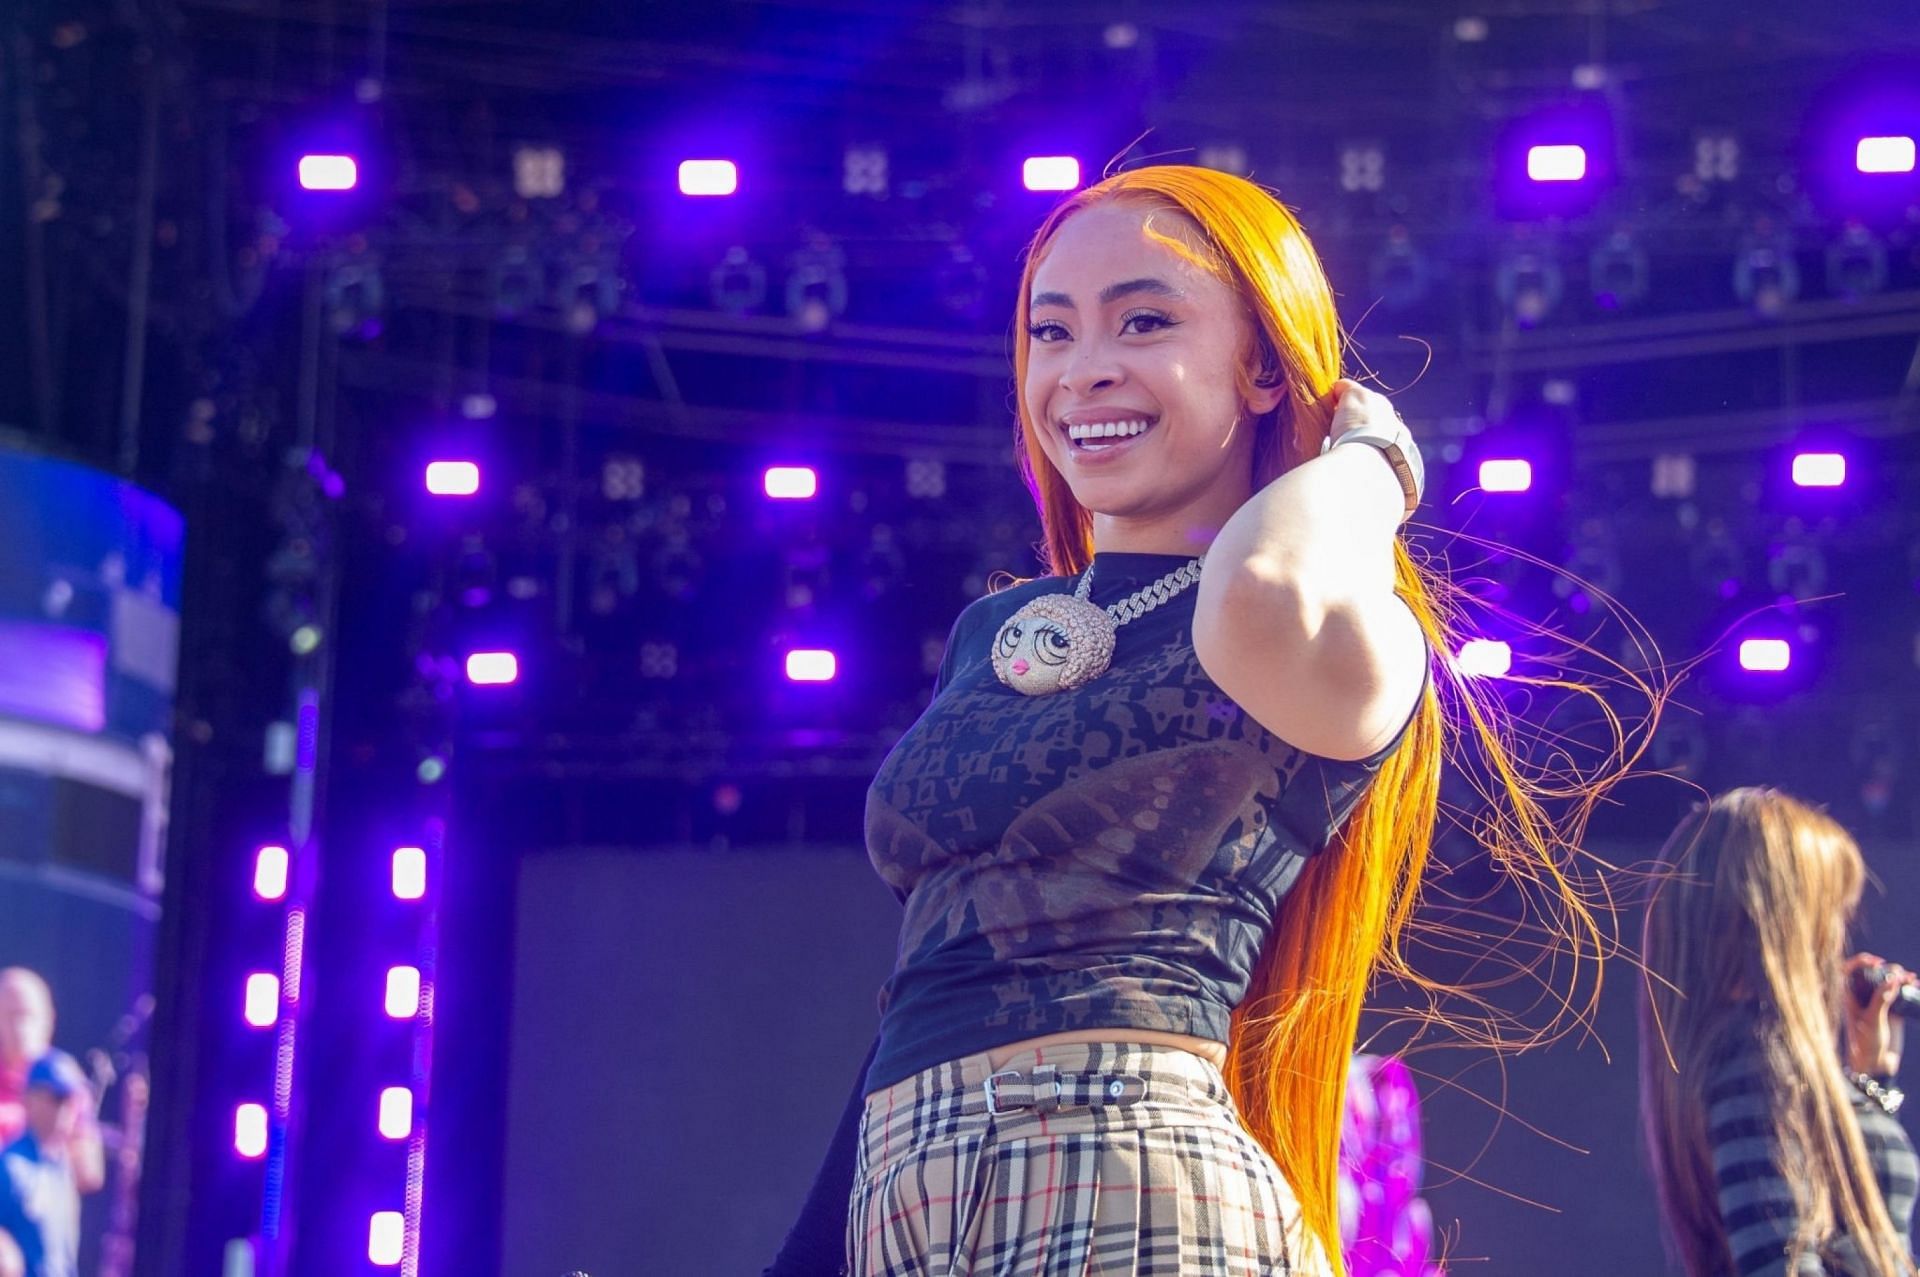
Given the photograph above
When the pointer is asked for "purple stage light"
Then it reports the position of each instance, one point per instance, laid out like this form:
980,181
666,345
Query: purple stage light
791,483
709,177
1819,469
1051,173
811,665
1506,474
270,873
329,172
250,1131
396,1112
409,873
1485,658
493,669
386,1237
1557,163
403,992
263,999
1884,155
453,478
1765,655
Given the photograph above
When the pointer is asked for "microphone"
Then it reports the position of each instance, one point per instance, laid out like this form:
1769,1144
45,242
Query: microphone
1906,1004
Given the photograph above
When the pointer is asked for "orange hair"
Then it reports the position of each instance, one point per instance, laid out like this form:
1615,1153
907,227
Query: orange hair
1345,918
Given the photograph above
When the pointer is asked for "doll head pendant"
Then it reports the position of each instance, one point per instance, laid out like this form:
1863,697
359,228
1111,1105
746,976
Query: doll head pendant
1053,644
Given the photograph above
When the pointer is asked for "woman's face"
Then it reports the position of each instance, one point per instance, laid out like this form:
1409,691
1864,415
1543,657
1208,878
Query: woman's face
1133,361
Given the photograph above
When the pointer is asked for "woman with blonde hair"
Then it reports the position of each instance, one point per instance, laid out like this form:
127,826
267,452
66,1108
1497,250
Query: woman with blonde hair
1768,1157
1168,811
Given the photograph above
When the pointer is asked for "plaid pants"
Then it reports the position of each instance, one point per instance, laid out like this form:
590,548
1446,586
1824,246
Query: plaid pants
1100,1160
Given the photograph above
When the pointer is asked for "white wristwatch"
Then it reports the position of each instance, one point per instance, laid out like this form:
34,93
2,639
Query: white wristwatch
1396,444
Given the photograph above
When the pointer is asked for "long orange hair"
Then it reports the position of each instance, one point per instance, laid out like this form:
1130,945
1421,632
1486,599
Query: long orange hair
1346,917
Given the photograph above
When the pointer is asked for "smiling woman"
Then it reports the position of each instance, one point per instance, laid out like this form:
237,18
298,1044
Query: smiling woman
1132,389
1169,809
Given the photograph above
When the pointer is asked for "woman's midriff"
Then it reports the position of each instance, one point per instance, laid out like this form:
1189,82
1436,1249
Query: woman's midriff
1215,1053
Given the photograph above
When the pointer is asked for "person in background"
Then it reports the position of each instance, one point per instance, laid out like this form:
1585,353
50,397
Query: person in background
39,1188
26,1036
1771,1157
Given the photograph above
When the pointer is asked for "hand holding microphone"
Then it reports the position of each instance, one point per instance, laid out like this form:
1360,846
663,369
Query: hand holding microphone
1868,979
1878,991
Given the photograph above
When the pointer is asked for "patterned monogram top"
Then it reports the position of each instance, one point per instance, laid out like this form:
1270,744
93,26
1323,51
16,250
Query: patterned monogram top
1110,856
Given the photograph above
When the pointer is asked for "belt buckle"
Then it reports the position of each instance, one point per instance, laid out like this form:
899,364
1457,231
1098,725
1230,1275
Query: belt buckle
1044,1090
992,1089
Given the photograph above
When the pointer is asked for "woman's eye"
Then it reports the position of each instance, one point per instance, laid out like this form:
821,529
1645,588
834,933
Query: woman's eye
1048,332
1144,321
1009,640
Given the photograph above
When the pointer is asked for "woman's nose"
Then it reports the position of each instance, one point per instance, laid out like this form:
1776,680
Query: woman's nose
1092,367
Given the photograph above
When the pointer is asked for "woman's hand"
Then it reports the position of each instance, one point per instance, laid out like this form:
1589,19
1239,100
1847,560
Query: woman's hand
1354,406
1873,1037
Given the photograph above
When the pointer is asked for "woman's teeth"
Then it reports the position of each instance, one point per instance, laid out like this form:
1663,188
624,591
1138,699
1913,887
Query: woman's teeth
1105,434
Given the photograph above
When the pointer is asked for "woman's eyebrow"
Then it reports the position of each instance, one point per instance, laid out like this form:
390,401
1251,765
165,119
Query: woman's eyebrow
1112,293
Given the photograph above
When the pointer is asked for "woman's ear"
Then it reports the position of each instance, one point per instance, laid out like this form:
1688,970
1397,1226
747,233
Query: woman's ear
1266,380
1268,391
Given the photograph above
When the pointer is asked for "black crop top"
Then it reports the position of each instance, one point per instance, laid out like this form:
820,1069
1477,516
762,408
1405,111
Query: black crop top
1106,857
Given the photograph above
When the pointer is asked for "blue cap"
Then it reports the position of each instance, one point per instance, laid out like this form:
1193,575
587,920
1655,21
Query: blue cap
58,1072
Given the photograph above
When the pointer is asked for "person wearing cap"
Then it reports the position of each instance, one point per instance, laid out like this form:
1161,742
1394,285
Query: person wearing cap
26,1035
39,1191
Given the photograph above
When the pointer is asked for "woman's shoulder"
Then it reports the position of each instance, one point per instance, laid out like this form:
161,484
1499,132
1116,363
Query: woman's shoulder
1738,1063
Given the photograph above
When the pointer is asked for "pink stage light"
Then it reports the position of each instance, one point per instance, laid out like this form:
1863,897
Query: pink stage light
1884,155
1819,469
250,1131
329,172
1051,173
1485,658
1507,474
403,992
811,665
386,1237
791,483
263,999
270,873
396,1112
493,669
1765,655
709,177
409,873
1556,163
453,478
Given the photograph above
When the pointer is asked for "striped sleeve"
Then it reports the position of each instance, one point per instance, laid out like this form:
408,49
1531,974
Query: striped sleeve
1894,1162
1756,1201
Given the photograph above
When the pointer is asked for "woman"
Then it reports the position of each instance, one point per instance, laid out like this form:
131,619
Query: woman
1768,1158
1171,802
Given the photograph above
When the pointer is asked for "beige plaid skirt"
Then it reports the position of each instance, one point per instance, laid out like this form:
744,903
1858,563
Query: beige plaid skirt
1075,1161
